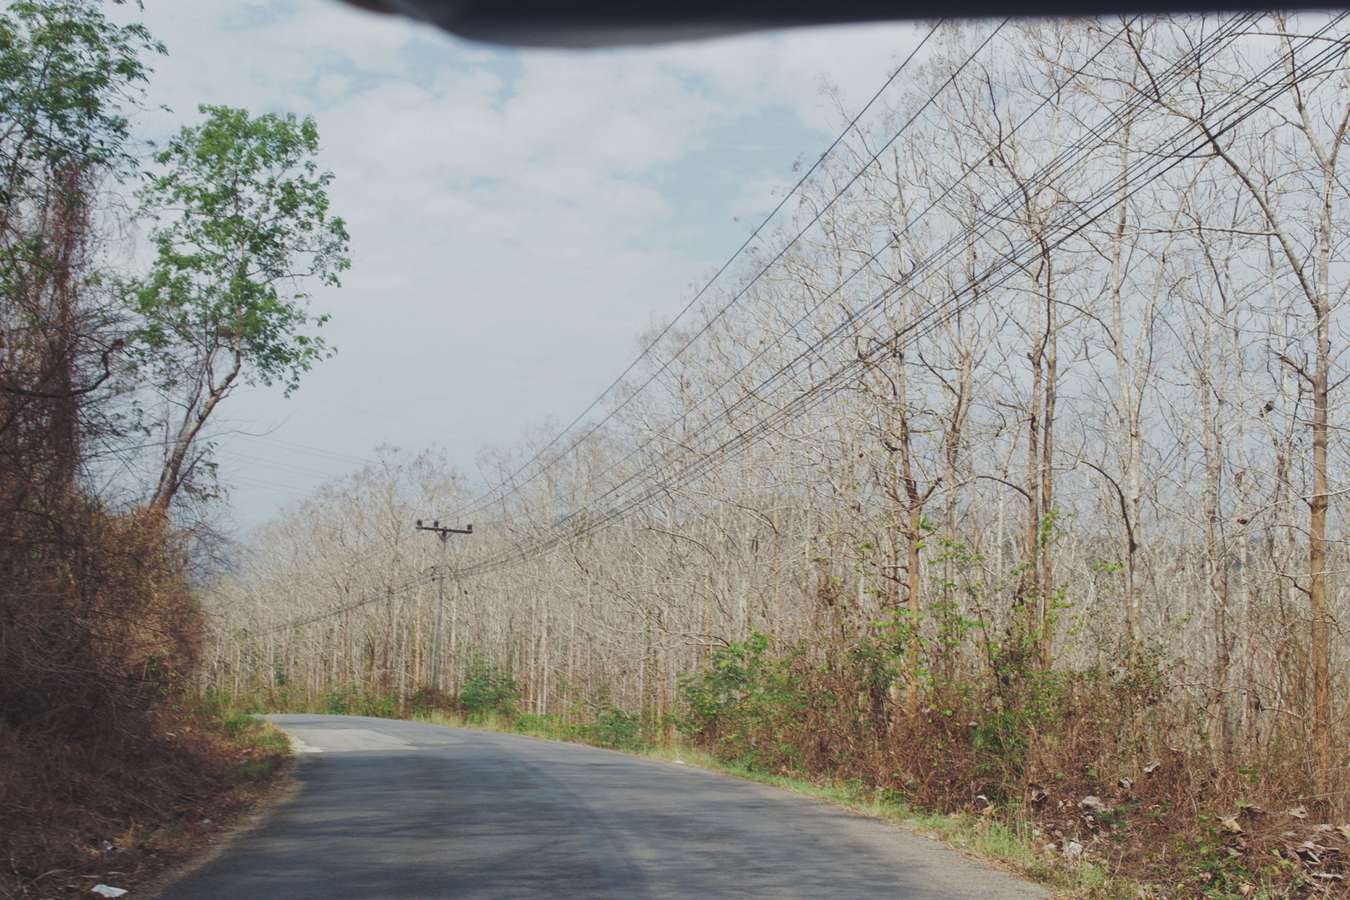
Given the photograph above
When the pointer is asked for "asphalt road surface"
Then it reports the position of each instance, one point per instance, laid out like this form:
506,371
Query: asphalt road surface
403,809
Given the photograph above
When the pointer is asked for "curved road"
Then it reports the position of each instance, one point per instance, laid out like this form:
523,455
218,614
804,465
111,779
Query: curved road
403,809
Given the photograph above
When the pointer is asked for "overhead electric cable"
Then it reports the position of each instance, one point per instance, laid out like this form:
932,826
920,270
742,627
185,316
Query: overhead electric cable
381,596
1163,159
509,481
1146,168
959,242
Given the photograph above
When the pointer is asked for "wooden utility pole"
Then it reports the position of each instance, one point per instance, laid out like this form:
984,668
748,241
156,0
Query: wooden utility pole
443,532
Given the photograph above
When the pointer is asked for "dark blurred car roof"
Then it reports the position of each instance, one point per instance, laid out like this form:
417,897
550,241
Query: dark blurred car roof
601,23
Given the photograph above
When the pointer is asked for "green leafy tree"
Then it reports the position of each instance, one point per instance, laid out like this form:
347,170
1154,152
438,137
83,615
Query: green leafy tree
67,76
242,230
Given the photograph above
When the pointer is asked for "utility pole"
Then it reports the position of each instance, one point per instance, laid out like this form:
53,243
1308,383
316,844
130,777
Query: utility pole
443,532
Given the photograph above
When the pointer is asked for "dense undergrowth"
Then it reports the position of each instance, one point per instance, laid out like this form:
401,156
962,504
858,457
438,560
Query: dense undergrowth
106,771
1079,779
1095,764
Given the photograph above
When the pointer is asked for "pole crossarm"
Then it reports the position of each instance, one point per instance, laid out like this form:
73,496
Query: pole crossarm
443,531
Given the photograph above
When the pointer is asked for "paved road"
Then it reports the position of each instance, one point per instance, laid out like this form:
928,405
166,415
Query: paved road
403,809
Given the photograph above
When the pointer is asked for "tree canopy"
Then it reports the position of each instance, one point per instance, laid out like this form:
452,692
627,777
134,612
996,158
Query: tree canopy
242,228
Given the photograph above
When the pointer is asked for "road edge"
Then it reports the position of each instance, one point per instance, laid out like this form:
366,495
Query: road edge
284,789
1052,879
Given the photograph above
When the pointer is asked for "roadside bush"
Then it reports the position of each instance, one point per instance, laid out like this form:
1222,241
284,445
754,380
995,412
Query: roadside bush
350,700
114,629
487,690
427,700
614,728
748,704
1095,757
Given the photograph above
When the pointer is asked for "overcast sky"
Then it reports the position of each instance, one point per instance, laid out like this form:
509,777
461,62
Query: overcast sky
518,217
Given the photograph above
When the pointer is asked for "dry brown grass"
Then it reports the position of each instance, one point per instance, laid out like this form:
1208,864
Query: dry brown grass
105,775
1097,765
73,815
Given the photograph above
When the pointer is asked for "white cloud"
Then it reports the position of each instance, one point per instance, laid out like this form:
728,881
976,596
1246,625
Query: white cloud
517,218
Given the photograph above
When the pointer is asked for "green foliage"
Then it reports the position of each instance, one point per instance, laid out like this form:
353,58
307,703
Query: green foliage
428,700
1106,566
258,734
1211,869
242,221
747,702
878,660
352,701
67,74
615,729
487,690
544,726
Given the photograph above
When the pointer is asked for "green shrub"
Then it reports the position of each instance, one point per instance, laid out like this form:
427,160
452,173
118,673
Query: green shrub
487,690
748,704
350,700
616,729
427,700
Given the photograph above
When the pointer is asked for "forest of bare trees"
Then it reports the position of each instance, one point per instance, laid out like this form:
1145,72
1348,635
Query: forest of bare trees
1040,388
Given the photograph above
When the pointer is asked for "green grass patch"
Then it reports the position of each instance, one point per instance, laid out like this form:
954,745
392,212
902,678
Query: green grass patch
265,748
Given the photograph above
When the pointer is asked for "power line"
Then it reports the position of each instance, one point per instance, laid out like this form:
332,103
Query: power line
486,498
383,595
955,244
931,98
1144,170
1163,158
306,449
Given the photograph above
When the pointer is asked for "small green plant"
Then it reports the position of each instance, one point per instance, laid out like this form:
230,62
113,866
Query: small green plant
1215,872
487,690
350,700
